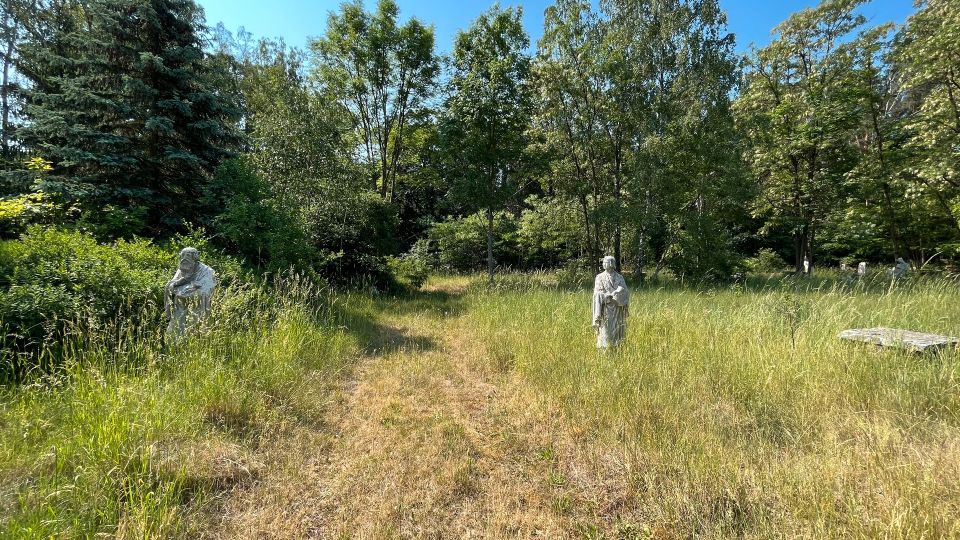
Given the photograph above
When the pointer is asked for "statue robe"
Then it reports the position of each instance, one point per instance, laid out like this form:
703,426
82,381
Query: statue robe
187,303
610,302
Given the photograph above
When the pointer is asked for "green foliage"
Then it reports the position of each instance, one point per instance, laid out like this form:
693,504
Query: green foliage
17,213
488,111
123,103
550,232
353,232
383,73
412,268
460,244
766,261
800,103
249,222
702,252
61,279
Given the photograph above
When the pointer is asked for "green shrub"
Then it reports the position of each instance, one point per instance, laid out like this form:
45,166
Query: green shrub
354,231
251,223
17,213
110,221
766,262
53,281
55,278
461,244
412,268
550,232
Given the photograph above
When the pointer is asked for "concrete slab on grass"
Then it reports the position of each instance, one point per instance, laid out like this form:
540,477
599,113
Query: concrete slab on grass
900,339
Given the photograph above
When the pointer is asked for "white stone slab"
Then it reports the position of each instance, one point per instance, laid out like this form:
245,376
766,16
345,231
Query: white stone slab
900,339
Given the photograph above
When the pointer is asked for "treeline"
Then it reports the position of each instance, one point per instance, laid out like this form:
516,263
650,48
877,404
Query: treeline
634,129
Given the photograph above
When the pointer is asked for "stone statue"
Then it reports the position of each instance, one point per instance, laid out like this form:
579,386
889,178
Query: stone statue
900,270
188,296
806,264
610,305
861,270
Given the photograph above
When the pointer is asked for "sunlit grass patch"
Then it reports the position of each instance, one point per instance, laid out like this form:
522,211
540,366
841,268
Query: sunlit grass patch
99,447
738,411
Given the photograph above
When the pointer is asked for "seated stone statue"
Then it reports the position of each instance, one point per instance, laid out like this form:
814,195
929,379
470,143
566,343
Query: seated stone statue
901,269
610,302
189,295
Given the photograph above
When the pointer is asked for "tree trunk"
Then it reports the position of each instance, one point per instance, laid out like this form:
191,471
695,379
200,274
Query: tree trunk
490,243
10,35
617,229
588,245
798,242
896,243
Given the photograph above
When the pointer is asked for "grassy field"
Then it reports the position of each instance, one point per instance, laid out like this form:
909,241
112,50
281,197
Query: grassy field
135,441
737,411
460,411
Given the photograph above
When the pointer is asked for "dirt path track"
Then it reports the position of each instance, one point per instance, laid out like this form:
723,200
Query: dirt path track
422,441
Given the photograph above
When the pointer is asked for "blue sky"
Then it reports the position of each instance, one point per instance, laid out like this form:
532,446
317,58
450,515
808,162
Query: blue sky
297,20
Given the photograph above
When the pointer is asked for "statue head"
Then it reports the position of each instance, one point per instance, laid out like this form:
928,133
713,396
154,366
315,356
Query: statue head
900,260
609,263
189,259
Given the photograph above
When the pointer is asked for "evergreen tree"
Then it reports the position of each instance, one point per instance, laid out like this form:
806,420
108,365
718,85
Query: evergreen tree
123,103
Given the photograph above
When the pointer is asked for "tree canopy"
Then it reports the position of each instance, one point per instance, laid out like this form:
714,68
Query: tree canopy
630,128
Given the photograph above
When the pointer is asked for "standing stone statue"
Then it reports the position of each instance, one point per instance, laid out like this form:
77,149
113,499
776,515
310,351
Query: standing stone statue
900,270
862,270
188,296
610,302
806,264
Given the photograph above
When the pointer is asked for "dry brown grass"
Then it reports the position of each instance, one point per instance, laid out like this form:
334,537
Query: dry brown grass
425,441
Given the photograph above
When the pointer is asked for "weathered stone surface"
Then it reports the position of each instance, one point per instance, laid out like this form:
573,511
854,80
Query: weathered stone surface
188,296
900,339
610,302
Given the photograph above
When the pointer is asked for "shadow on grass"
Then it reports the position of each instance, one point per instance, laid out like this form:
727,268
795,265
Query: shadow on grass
376,338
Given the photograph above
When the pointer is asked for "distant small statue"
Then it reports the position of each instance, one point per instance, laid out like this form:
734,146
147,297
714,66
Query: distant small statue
188,296
806,264
847,272
862,270
901,269
611,299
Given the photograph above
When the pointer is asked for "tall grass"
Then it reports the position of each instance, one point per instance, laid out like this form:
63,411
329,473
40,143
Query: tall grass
132,439
737,411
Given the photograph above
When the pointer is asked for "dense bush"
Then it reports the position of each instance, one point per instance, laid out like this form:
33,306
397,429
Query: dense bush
766,262
18,213
52,280
550,232
252,224
354,231
461,244
412,268
702,252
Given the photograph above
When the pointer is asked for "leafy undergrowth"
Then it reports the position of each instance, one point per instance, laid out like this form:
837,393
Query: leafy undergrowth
737,411
136,441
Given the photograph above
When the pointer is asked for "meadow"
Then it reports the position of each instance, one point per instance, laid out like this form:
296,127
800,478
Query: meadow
458,410
135,439
736,411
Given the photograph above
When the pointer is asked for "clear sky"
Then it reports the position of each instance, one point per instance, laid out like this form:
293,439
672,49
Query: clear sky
297,20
